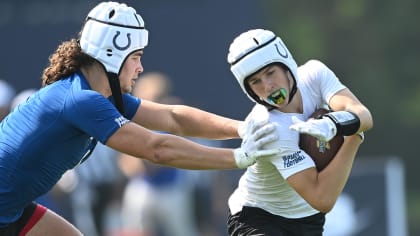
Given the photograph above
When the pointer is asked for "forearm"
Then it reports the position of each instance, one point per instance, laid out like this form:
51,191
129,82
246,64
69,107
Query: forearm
178,152
334,177
168,149
198,123
345,100
365,117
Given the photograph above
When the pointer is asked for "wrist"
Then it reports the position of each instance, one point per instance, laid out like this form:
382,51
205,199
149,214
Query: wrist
240,156
241,129
360,136
346,122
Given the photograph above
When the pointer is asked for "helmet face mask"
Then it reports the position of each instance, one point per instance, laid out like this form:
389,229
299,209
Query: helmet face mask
253,50
113,31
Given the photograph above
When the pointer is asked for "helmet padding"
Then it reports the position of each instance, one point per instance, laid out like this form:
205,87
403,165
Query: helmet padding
255,49
111,32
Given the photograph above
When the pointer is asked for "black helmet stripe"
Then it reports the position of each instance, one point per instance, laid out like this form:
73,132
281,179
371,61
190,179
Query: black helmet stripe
253,50
115,24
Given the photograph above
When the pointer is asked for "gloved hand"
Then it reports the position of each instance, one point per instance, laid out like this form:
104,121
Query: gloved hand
323,129
257,135
258,116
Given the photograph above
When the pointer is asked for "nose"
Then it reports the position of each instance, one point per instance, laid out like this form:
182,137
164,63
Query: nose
268,84
140,68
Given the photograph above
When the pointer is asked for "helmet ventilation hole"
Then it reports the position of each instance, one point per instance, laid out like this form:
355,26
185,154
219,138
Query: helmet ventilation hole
109,52
111,14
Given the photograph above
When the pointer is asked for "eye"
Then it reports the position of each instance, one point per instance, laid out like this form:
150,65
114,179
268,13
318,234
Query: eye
135,57
271,71
254,81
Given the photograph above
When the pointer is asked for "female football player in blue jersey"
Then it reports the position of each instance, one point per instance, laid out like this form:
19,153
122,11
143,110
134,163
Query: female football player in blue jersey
86,99
285,194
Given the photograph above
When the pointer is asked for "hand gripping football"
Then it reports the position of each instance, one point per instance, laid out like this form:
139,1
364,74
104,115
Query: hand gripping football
321,152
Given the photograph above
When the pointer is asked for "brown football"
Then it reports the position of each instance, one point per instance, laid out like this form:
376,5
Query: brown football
321,152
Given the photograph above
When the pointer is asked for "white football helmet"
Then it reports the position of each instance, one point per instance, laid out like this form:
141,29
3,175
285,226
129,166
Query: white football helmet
255,49
111,32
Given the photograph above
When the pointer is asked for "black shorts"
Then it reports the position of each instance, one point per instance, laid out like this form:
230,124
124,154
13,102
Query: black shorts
255,221
31,215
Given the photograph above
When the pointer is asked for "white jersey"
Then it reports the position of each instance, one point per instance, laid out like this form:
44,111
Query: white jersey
264,184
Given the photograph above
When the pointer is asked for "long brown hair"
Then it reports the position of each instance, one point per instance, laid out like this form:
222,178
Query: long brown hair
67,59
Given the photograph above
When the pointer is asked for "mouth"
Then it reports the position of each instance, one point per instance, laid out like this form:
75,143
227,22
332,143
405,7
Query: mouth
133,82
278,97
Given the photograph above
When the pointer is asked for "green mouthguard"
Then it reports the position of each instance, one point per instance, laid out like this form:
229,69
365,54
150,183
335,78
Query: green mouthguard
278,97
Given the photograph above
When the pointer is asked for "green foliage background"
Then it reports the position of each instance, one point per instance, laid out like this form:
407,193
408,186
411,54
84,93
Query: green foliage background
374,48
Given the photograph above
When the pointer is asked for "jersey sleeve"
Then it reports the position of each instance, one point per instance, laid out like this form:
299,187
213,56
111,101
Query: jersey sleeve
292,163
322,79
131,104
94,114
291,158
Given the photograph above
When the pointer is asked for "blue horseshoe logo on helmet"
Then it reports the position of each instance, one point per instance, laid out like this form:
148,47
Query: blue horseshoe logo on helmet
122,48
285,54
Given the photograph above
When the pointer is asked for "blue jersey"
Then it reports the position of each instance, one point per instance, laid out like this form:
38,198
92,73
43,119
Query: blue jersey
49,134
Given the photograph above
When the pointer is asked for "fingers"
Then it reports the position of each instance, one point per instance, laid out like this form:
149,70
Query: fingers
301,126
263,129
309,127
260,143
260,114
296,120
258,117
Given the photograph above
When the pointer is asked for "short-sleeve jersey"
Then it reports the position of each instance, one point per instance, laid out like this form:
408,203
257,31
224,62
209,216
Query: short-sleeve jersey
264,184
49,134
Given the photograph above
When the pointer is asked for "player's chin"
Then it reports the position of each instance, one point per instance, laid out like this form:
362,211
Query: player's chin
127,89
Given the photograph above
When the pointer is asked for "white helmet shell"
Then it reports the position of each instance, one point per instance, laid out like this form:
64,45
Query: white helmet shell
255,49
112,31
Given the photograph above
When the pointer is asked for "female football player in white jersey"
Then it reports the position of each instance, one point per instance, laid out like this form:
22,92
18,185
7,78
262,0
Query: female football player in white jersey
285,194
86,99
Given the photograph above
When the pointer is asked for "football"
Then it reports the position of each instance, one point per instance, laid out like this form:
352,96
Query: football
321,152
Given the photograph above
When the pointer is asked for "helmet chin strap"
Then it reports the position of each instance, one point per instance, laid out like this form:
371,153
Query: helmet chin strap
114,83
293,90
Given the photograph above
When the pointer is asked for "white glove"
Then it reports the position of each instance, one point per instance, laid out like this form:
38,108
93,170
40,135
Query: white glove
253,142
257,117
323,129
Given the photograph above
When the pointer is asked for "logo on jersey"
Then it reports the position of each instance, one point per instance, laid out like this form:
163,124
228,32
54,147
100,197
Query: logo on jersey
293,159
121,121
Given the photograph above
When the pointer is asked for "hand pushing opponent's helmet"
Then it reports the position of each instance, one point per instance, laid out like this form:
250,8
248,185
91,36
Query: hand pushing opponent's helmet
113,31
255,49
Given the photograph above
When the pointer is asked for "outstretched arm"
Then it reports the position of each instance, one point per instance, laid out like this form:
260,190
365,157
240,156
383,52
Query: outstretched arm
185,121
175,151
